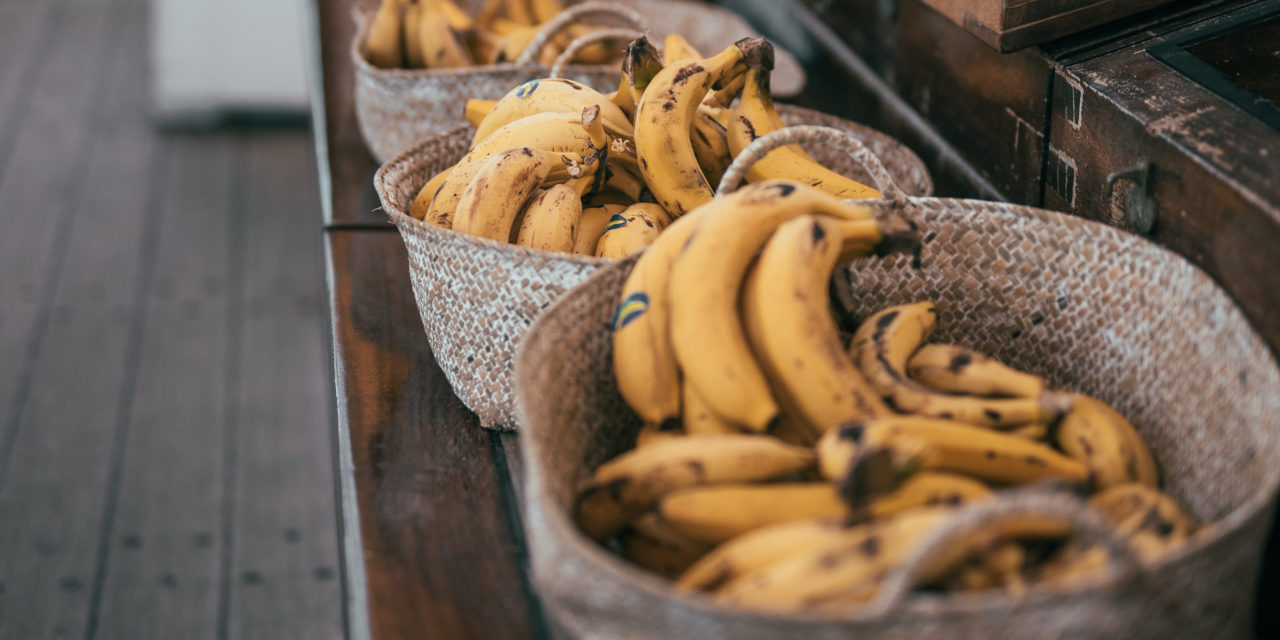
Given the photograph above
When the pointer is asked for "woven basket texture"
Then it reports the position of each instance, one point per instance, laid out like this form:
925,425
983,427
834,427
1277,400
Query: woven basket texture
477,298
396,108
1089,307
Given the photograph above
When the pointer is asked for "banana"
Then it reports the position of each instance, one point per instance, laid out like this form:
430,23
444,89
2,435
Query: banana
1151,520
511,45
413,58
755,116
550,221
500,189
440,45
624,182
482,44
521,11
797,339
458,17
444,205
422,202
716,513
847,567
644,362
383,44
544,10
955,369
710,146
1038,431
759,548
928,488
562,95
884,343
999,566
676,49
591,226
1096,435
706,330
477,110
625,487
656,546
651,433
699,419
664,117
944,445
579,132
640,63
629,231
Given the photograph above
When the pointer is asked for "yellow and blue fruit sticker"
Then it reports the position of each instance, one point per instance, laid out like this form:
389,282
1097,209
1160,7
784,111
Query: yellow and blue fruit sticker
616,221
527,89
631,307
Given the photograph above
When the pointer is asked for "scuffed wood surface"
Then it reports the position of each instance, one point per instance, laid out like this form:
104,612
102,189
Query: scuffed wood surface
1009,25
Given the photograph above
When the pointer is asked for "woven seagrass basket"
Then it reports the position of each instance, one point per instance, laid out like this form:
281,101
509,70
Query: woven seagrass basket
1087,306
478,297
396,108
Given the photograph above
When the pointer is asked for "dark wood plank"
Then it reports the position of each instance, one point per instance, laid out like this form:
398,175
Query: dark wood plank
283,562
81,219
428,544
346,166
1009,25
165,534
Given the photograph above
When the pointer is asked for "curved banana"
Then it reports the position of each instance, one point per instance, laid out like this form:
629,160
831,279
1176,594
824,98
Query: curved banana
651,433
422,202
444,205
884,343
656,546
956,369
440,45
1106,443
699,419
411,23
382,45
561,95
928,488
1151,520
475,111
640,63
664,118
755,116
544,10
710,144
579,132
459,19
706,331
591,226
489,205
676,49
628,231
716,513
550,220
797,338
945,445
625,487
761,547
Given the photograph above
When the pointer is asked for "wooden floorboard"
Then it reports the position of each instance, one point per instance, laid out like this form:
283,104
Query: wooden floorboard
284,581
76,208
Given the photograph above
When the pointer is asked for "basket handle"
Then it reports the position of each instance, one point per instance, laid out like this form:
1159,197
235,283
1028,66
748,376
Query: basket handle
760,147
557,67
570,16
1074,512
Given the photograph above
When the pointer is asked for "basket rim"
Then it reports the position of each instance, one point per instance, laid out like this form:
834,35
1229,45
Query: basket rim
558,523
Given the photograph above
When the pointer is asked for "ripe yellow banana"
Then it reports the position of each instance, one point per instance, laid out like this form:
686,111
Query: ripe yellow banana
500,189
664,118
422,202
706,330
521,11
644,362
640,63
562,131
884,343
797,338
759,548
656,546
550,220
413,58
1038,431
956,369
710,146
477,110
625,487
541,95
928,488
755,116
676,49
1151,520
591,226
444,205
459,19
544,10
383,44
1104,441
623,182
944,445
628,231
651,433
699,419
716,513
440,46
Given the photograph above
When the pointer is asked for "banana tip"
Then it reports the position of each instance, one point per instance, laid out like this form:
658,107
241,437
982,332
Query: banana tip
757,53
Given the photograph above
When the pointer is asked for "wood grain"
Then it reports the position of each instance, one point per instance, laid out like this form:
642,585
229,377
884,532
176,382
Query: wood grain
1009,25
436,545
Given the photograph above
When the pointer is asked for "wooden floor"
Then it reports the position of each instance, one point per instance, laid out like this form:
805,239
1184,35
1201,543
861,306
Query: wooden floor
165,392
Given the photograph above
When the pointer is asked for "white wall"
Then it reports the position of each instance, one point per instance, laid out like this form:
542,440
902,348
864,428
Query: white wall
212,55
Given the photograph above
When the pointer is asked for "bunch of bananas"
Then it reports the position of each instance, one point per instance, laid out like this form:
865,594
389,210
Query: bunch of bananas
787,465
621,167
438,34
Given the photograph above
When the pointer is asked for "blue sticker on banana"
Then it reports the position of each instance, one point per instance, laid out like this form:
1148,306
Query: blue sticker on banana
631,307
524,90
616,221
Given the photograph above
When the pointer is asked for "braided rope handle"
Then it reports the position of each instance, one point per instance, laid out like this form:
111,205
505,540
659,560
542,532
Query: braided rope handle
760,147
570,16
557,67
1074,512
